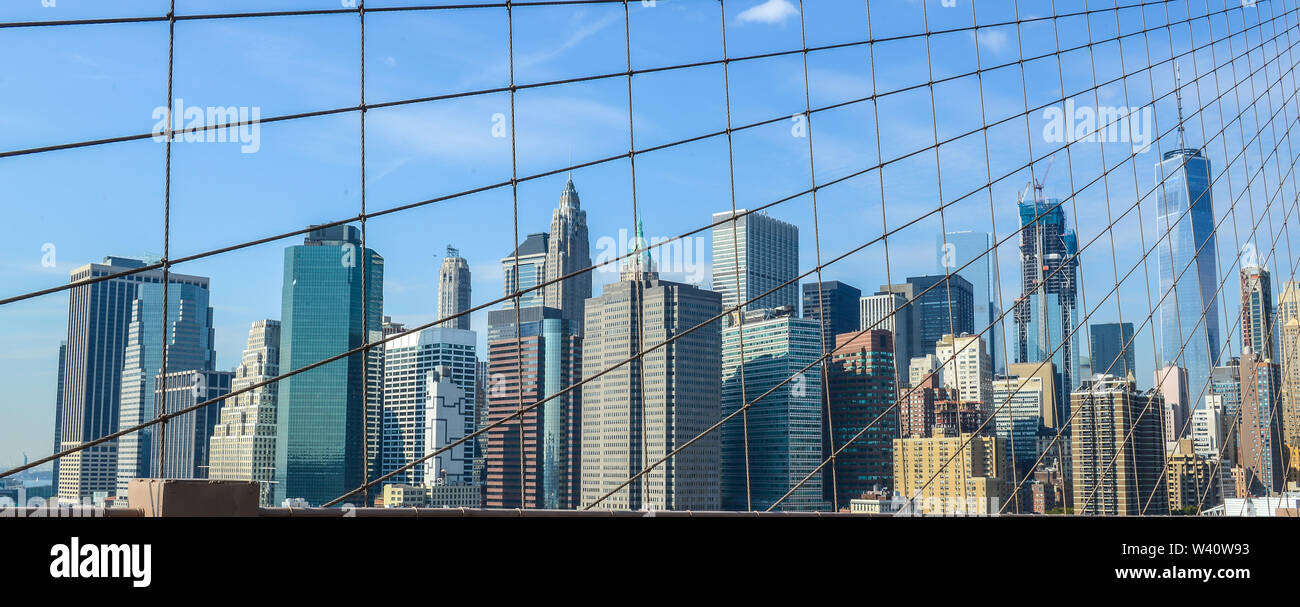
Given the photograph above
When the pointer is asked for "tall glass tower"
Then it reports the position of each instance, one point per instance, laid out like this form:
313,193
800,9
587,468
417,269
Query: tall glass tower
967,254
320,428
1189,314
189,348
1046,311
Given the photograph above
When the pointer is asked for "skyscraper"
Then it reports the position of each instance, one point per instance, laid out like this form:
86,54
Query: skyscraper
95,355
784,428
833,304
969,254
1258,333
1113,350
1225,385
1018,416
532,461
952,473
321,437
938,307
965,366
190,338
1046,312
525,269
243,442
429,386
1117,450
1260,437
568,251
1288,324
638,413
1189,312
184,447
454,290
860,393
890,312
762,256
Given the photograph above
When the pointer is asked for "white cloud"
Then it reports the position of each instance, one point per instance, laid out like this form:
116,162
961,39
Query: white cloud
771,11
993,39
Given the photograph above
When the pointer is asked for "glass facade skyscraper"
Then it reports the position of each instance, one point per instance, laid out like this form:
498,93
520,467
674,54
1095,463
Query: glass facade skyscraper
190,337
784,428
956,251
525,269
1189,314
946,308
1112,349
321,431
1046,312
97,360
532,356
836,303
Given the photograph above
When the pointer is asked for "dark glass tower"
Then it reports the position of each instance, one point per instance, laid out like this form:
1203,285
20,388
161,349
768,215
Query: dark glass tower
1045,313
837,303
320,427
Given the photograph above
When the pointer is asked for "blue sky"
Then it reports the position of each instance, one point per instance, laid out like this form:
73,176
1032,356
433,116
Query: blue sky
65,84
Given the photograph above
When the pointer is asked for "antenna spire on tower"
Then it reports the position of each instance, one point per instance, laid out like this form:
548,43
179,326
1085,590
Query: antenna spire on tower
1178,95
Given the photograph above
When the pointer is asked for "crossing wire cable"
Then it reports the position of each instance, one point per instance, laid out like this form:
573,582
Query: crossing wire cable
485,188
483,306
1082,323
819,265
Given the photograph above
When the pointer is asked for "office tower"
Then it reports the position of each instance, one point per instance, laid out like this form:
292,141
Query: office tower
1288,325
1171,381
638,413
1207,427
1018,406
965,366
321,425
1046,312
58,416
834,305
1189,312
1052,412
1116,449
1225,383
1257,328
1191,480
890,312
762,256
525,269
861,393
938,307
969,254
567,252
94,355
532,461
190,338
453,290
243,442
784,429
429,384
1260,437
184,445
953,473
1113,350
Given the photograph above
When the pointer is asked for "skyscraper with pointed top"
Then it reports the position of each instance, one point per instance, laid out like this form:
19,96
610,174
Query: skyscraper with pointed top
454,289
1186,255
568,250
